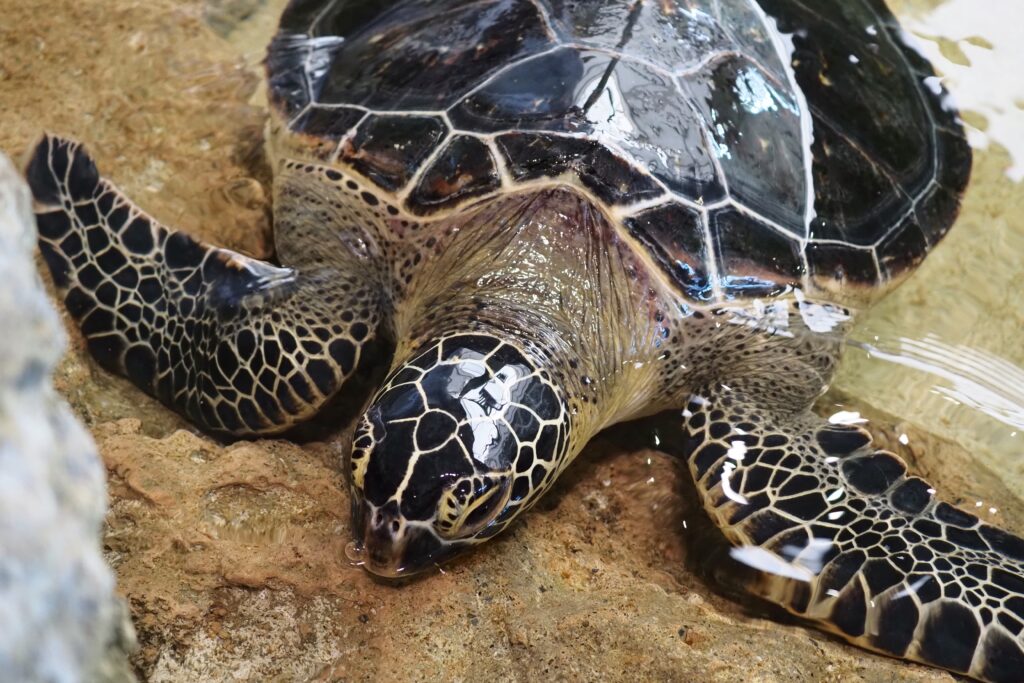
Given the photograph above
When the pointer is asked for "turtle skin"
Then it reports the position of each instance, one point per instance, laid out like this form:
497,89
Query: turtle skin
559,216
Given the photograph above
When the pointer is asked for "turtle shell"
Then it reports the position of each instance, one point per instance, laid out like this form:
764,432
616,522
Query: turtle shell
748,146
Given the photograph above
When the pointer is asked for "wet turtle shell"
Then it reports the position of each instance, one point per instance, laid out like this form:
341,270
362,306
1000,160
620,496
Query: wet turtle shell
748,146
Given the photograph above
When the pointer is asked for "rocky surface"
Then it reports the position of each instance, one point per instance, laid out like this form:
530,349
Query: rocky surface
59,617
230,555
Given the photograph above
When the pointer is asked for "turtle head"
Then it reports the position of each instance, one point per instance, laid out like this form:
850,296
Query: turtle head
460,439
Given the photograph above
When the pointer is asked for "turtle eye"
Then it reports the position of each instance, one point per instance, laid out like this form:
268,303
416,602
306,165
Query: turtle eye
470,503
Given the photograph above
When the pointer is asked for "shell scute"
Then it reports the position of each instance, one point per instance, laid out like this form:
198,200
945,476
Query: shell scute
422,55
610,177
328,122
954,169
389,149
811,144
753,33
843,184
753,258
323,128
463,169
530,94
674,234
755,127
841,263
905,244
673,40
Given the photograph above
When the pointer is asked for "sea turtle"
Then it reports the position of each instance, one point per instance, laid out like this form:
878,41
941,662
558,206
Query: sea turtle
560,215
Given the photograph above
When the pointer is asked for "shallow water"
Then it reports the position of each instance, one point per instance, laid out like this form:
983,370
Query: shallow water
944,350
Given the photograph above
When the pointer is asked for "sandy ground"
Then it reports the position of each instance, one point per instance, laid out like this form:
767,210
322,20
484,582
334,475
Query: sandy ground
230,554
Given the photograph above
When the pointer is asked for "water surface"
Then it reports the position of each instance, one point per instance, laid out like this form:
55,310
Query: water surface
949,340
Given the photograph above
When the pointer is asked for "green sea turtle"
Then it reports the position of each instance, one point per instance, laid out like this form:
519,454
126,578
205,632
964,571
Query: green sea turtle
560,215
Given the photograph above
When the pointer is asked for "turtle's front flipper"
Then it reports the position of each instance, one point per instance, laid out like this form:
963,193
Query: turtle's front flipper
238,345
842,535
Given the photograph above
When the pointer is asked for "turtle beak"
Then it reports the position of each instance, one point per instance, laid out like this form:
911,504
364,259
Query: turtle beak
389,547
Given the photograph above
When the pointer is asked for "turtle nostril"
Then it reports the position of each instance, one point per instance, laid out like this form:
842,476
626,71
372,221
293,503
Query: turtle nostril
383,538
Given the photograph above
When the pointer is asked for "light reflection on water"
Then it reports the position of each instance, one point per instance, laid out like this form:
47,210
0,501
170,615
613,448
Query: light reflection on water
802,563
944,350
977,49
973,377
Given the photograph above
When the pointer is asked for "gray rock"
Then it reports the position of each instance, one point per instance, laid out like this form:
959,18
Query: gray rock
59,618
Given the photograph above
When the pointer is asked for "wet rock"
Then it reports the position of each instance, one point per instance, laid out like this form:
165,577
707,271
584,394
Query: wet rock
59,618
232,558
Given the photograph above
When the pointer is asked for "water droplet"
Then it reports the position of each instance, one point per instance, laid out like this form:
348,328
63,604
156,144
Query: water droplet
355,552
